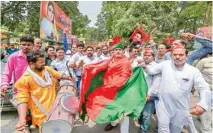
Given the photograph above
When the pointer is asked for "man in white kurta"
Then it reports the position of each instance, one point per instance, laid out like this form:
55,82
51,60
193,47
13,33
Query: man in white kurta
73,62
178,79
105,53
89,58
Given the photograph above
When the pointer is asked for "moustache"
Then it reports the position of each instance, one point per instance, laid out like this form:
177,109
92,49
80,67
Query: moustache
178,62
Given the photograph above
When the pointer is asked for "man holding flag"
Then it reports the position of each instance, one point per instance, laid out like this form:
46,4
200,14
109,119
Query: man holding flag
111,90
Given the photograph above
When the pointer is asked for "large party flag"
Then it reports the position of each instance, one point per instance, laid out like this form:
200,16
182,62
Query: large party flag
104,101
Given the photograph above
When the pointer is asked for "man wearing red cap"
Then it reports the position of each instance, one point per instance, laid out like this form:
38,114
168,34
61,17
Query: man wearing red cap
178,79
168,55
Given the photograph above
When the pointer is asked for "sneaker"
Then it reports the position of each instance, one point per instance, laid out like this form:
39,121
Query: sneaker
109,127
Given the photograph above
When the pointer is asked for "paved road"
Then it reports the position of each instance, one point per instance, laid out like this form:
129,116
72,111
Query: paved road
9,119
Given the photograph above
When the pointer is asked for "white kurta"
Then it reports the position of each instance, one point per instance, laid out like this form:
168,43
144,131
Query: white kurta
104,57
174,92
88,60
76,58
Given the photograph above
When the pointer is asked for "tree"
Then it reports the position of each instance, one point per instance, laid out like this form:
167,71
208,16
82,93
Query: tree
170,17
23,16
101,28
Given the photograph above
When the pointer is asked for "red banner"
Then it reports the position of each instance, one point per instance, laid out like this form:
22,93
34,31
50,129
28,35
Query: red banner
53,21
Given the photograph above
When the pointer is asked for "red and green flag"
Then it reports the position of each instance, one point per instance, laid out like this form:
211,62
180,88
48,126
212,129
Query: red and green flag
111,91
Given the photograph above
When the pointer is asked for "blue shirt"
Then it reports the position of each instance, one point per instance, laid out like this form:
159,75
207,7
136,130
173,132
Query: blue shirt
10,51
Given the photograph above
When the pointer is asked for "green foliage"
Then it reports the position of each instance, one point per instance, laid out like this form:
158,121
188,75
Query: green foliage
121,18
23,16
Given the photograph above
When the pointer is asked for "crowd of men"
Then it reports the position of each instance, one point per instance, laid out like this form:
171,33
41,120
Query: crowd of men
170,75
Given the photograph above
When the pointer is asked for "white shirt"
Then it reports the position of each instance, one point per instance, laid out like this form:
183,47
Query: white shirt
74,59
61,66
136,60
126,53
175,89
104,57
88,60
153,81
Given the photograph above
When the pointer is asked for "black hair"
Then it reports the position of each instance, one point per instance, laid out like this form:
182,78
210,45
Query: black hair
146,45
59,48
184,43
97,48
48,47
80,45
27,39
132,47
89,47
104,46
34,55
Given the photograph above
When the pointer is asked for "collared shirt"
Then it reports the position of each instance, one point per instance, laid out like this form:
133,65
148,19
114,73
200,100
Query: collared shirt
168,56
61,66
48,61
10,51
15,66
104,57
97,54
177,83
175,90
26,86
159,59
75,58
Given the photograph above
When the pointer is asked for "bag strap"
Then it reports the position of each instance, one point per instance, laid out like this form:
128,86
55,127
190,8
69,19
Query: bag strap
41,107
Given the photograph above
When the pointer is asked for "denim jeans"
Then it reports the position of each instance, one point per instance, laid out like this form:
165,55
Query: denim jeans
146,115
78,83
199,53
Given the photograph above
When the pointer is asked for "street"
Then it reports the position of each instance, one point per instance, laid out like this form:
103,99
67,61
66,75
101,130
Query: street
9,120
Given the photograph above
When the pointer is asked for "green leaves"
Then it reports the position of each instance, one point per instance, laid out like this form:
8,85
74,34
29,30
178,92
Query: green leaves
122,18
23,16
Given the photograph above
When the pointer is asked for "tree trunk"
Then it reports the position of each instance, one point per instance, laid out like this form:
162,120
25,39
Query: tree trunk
208,13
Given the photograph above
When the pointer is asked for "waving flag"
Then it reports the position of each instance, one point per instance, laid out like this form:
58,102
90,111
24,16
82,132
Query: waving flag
105,101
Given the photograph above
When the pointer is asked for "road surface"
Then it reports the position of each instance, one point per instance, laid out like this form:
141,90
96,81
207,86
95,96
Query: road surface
9,119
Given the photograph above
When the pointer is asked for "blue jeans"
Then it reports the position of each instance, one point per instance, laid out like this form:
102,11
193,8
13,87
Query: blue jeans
146,115
196,54
201,52
78,83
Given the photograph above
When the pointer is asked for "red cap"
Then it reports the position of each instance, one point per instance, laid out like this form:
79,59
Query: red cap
169,40
148,51
178,47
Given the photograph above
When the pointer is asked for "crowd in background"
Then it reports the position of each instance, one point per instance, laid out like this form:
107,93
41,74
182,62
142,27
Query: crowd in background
72,61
